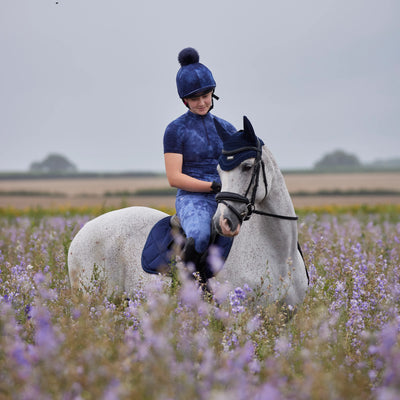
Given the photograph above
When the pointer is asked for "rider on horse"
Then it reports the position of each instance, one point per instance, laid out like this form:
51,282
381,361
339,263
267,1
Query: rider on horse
192,147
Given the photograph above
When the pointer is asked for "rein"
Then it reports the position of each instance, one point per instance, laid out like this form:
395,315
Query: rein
223,197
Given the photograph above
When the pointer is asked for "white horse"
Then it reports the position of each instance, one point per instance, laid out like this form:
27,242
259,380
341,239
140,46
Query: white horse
264,254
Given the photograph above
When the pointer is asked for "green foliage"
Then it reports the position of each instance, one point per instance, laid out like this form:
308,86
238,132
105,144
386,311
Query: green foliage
338,160
53,163
143,192
31,193
352,192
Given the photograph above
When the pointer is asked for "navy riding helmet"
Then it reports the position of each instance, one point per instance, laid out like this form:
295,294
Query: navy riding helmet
193,78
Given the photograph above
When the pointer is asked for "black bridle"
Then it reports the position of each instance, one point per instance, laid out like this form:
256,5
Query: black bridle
223,197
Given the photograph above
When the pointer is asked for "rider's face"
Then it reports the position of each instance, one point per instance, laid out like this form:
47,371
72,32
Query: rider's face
200,104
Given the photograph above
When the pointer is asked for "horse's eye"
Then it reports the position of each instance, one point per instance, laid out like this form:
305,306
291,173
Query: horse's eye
246,167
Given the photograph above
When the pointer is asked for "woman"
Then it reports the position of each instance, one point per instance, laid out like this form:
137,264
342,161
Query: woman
191,151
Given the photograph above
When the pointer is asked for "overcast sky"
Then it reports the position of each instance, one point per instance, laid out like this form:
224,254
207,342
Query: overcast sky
94,80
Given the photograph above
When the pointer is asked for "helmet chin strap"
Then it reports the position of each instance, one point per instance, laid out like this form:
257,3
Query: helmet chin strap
213,96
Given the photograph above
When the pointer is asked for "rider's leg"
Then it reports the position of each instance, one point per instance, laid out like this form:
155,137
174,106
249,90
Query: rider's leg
195,212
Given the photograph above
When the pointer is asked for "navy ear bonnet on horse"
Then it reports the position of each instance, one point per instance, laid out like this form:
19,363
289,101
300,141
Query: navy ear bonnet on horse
193,77
238,147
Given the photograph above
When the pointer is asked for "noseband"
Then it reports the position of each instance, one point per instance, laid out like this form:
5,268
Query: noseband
223,197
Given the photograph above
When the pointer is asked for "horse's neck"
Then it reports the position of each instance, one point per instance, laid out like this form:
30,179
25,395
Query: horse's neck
278,199
265,245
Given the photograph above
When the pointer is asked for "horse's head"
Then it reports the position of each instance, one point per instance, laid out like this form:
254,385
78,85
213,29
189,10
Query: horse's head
241,169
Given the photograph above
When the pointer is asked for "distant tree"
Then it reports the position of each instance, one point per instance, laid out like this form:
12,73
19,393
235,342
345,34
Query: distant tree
390,163
338,159
53,163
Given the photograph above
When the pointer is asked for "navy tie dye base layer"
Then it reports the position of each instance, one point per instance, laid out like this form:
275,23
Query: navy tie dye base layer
196,138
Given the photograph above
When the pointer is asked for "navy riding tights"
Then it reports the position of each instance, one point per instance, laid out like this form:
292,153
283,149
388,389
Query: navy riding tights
195,212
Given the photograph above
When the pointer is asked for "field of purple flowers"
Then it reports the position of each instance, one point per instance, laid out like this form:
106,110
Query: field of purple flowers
171,343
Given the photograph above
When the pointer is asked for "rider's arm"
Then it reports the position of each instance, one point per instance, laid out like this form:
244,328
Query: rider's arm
177,179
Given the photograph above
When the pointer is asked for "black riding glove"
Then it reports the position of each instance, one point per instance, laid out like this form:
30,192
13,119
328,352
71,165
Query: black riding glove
215,187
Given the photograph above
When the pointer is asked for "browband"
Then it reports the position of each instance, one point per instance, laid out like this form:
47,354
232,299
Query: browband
239,150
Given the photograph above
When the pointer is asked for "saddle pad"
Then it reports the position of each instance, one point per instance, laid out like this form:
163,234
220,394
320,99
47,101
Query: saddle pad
157,253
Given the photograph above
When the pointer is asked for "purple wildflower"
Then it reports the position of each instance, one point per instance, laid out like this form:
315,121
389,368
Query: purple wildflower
46,339
190,293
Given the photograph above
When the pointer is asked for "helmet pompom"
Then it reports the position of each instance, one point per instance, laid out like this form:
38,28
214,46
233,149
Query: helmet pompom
188,56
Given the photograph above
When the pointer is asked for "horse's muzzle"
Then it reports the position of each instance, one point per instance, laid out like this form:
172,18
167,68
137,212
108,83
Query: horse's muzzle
225,225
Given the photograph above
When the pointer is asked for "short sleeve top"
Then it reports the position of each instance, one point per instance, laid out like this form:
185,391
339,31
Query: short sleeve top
196,138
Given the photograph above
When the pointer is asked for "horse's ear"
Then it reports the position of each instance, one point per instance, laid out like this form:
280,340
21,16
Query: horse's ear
222,133
249,130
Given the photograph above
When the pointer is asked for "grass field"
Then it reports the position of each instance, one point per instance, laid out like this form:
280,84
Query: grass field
171,343
89,192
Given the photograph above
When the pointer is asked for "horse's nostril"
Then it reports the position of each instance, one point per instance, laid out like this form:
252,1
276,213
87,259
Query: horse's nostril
229,222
